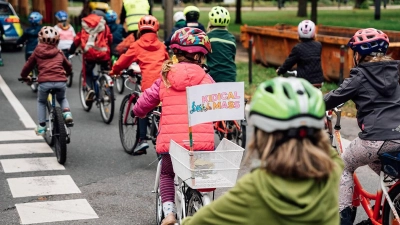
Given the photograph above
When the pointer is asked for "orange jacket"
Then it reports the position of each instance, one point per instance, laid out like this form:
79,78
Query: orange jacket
149,53
125,44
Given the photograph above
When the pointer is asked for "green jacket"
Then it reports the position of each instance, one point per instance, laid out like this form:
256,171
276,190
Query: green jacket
222,59
260,198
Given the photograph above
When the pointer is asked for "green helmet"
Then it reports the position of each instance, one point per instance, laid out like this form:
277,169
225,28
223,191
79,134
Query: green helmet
219,16
192,13
285,103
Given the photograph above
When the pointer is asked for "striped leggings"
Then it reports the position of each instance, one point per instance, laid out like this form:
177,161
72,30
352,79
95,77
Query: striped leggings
167,187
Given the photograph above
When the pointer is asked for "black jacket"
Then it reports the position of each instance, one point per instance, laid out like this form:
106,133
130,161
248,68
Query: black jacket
307,56
374,88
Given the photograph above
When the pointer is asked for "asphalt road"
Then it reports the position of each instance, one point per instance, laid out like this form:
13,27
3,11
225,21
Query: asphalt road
116,185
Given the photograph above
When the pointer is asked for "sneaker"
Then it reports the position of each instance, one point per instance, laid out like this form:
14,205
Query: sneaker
141,147
68,117
170,219
40,131
90,96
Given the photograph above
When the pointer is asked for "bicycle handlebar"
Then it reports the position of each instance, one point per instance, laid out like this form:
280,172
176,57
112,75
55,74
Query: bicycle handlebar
33,79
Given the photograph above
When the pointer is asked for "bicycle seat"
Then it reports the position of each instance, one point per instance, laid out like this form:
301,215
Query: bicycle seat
53,91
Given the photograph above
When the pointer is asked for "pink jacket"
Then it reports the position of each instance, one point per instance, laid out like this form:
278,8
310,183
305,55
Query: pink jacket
174,118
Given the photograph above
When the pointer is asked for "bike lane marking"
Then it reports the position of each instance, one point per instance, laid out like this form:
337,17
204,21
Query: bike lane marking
30,164
24,116
22,149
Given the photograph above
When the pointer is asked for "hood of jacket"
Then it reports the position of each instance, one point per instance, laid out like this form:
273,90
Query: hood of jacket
184,75
45,51
150,42
383,76
92,20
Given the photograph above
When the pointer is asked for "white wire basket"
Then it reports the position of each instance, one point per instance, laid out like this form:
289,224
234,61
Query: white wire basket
207,169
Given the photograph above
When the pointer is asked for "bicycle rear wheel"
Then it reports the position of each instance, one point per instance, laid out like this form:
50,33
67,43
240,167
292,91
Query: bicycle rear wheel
388,217
194,202
107,102
119,83
159,208
48,137
60,136
128,126
82,94
69,81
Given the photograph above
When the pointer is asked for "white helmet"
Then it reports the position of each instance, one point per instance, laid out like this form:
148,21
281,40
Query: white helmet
179,16
306,29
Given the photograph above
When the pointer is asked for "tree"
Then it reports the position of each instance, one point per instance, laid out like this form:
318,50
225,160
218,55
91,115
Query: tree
314,11
302,8
238,19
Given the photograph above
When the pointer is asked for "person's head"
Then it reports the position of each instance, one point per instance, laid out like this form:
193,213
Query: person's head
111,17
192,13
178,16
148,24
35,18
49,35
306,30
219,17
368,44
62,18
288,116
99,13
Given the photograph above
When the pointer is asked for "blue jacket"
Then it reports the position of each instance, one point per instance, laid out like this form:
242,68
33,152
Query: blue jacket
116,30
30,36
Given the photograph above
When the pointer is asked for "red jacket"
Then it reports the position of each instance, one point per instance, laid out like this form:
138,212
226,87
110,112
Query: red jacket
150,53
51,63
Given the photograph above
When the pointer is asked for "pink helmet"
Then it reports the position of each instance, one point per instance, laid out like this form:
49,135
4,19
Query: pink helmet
191,40
49,35
306,29
369,41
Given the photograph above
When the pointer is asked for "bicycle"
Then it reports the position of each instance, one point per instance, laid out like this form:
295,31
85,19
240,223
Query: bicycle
387,197
120,80
71,76
58,133
129,124
104,94
232,130
34,85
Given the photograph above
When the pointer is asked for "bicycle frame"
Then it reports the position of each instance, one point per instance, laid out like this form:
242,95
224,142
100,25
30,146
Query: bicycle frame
224,128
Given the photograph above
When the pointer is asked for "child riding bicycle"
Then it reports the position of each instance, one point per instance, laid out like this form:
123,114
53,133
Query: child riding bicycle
374,88
53,70
298,172
66,31
30,35
306,54
190,45
149,53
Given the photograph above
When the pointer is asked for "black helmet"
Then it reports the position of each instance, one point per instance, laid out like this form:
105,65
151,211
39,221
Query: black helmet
99,13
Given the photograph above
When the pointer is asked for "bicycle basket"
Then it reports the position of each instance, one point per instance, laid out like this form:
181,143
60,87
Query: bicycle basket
207,169
389,154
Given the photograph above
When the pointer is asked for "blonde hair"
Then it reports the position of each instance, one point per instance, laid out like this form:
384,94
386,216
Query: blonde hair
295,158
381,58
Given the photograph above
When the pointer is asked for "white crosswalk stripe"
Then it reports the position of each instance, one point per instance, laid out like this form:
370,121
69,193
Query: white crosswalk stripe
19,135
30,164
19,149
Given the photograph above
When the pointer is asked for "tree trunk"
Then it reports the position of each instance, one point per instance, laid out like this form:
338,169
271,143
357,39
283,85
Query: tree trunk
238,19
302,8
314,11
23,7
39,6
377,9
252,5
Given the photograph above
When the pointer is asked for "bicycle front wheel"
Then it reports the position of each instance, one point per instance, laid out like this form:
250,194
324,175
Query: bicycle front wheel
388,217
120,84
106,101
128,127
82,94
159,208
48,137
60,136
194,202
69,81
34,85
239,133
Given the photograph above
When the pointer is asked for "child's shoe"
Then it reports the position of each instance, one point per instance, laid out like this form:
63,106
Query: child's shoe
169,219
68,117
90,97
40,131
1,62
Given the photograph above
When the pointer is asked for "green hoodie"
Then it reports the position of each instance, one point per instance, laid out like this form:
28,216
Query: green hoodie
261,198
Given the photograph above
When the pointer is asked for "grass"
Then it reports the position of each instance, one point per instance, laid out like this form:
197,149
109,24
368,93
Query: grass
261,74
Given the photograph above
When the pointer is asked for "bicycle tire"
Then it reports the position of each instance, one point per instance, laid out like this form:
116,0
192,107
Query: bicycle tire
82,95
69,80
106,96
159,208
48,136
193,196
128,132
119,83
35,85
60,136
387,214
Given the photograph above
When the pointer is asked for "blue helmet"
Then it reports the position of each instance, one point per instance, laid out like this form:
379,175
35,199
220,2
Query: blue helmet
35,18
61,15
111,16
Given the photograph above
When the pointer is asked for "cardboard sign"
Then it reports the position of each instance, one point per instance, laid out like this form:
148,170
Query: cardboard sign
215,102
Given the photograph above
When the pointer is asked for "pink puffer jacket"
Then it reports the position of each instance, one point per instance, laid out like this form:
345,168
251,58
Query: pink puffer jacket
174,119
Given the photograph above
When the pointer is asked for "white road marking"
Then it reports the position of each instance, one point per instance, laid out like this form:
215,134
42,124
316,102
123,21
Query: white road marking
24,148
19,135
345,143
55,211
41,186
16,104
30,164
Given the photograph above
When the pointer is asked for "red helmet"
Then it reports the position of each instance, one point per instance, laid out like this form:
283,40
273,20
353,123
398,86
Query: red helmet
149,23
369,42
191,40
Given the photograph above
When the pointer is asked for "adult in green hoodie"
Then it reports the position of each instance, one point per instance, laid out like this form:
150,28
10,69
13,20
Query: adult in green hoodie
298,179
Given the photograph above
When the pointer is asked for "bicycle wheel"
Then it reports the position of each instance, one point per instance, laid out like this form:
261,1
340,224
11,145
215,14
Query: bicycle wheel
60,136
48,137
119,83
159,208
194,202
128,127
106,95
69,81
239,136
34,85
388,217
82,95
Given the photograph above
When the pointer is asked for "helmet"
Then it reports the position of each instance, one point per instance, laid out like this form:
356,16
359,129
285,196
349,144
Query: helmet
306,29
99,13
369,41
219,16
61,15
285,103
49,35
149,22
111,16
192,13
35,18
191,40
179,16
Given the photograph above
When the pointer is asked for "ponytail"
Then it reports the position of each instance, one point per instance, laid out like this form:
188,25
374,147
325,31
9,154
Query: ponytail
166,67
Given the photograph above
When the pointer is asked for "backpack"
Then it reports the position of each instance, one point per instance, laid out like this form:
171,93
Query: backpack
100,50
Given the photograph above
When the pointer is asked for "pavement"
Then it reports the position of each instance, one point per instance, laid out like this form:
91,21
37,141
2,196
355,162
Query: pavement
99,183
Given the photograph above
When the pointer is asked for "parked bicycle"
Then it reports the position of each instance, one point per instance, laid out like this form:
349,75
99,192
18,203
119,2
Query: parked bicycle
58,133
386,209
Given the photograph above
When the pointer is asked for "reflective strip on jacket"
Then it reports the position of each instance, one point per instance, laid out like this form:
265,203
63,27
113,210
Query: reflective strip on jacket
135,9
